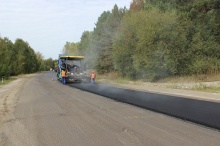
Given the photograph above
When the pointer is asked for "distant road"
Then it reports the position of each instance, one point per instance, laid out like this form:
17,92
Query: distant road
47,113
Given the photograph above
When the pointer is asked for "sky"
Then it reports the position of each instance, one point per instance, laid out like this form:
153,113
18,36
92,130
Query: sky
48,24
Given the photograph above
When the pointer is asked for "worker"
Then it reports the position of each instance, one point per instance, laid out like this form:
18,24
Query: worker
63,77
75,69
93,76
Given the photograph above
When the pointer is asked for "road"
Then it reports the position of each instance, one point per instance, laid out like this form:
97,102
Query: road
42,112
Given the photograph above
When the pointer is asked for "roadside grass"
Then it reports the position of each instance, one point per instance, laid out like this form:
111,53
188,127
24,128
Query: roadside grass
192,78
205,88
112,77
7,80
194,82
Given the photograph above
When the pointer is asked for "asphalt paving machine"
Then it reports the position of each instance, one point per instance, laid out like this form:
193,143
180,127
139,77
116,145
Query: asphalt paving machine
74,67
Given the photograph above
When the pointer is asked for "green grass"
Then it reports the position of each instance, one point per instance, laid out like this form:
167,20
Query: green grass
7,80
207,89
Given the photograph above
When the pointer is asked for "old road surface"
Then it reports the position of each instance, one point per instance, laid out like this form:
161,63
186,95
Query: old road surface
37,111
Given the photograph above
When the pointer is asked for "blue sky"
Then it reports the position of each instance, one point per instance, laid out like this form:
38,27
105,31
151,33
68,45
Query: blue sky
48,24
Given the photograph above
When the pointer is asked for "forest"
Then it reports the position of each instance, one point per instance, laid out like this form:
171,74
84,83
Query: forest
154,39
19,58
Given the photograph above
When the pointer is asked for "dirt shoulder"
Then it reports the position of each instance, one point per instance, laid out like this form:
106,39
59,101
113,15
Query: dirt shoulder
8,98
7,94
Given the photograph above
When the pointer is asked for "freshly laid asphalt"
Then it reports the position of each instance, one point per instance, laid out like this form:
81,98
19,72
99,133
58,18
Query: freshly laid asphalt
202,112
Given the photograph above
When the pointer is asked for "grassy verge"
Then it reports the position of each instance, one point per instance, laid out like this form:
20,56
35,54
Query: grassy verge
207,89
195,82
205,83
192,78
112,77
6,80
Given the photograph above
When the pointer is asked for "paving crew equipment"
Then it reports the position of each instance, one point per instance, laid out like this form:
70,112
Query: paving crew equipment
74,67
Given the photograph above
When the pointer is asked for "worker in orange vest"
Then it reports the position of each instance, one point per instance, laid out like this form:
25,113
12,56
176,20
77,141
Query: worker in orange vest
93,76
63,77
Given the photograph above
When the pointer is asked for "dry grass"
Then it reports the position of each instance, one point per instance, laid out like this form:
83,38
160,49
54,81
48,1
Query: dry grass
112,77
193,78
208,89
207,83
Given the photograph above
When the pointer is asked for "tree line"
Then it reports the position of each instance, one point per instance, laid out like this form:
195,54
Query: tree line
155,39
19,58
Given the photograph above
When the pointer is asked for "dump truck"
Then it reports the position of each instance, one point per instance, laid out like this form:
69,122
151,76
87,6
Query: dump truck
74,67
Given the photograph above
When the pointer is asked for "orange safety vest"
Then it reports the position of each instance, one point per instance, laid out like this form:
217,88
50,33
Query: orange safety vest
63,73
93,75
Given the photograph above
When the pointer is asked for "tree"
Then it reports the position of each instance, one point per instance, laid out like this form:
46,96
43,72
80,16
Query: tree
40,59
84,44
87,48
6,60
137,5
26,57
71,48
156,39
16,58
147,46
104,34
